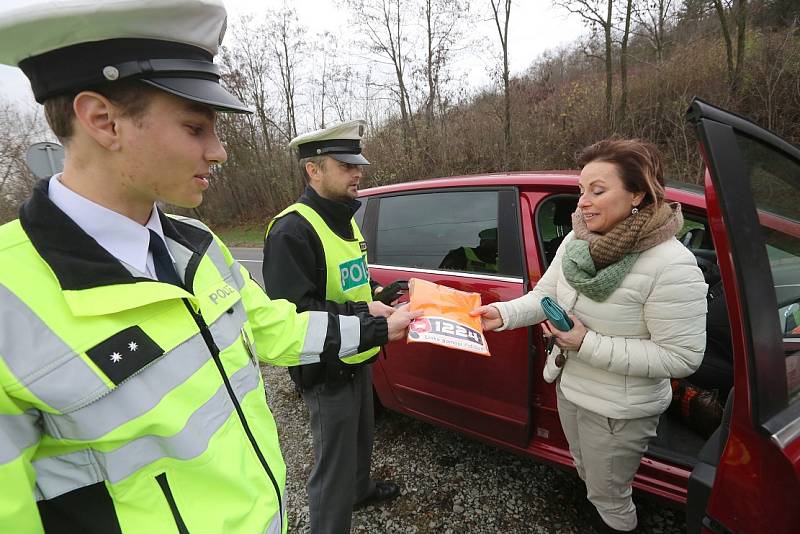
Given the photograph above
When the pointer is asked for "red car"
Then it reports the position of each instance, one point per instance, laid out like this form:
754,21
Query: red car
495,235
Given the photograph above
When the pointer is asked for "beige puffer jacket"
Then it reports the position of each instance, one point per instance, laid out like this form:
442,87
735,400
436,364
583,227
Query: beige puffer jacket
651,328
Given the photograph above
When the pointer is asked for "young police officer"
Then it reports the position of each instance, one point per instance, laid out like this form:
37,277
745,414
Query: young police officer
315,257
130,395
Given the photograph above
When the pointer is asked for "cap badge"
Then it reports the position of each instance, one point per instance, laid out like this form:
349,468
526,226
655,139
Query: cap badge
319,151
110,73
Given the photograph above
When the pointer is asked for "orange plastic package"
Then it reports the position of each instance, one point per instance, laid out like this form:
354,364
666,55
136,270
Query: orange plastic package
446,320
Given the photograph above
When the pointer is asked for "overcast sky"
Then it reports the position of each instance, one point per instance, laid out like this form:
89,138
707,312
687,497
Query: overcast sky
535,26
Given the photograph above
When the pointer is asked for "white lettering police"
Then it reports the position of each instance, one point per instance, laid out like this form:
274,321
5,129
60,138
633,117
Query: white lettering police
353,273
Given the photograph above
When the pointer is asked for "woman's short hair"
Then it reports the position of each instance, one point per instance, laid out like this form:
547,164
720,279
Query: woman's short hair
131,96
639,163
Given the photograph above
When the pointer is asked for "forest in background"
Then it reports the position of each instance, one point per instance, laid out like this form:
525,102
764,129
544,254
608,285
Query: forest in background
632,74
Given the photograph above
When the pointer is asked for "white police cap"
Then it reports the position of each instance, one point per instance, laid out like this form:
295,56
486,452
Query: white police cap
341,142
64,46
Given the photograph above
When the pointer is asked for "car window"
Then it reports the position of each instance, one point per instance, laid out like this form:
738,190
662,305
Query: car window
775,182
554,222
359,215
441,230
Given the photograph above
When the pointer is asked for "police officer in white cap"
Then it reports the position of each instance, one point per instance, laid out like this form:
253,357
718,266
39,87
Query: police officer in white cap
130,395
315,256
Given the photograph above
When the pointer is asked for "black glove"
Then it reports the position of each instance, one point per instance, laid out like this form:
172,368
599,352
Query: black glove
389,293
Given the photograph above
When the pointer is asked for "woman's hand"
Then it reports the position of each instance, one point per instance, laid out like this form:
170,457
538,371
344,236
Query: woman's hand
490,317
571,340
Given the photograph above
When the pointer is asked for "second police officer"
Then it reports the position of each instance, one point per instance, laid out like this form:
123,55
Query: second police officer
315,257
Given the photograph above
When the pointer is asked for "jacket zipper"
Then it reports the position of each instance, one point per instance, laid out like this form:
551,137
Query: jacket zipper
212,347
117,386
162,481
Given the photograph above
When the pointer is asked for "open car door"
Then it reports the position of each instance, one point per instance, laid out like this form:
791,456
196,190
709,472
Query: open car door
747,477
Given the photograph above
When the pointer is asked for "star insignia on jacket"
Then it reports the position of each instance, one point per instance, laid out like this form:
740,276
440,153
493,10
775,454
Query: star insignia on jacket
115,357
132,346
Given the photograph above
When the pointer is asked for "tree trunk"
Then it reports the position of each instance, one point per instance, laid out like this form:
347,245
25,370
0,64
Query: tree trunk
726,37
429,68
623,65
289,89
396,53
609,68
503,33
741,35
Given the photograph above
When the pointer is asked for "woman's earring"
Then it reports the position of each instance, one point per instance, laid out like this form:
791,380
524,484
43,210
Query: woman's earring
635,210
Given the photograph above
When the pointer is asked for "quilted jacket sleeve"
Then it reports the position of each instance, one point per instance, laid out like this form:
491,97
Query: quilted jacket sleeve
526,310
674,313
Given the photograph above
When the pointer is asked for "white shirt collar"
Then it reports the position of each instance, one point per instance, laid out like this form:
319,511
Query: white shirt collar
124,238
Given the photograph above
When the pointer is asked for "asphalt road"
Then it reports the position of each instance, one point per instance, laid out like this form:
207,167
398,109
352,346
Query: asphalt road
450,483
251,258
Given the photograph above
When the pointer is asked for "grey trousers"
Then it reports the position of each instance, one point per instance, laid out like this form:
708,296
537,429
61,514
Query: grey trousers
342,424
607,453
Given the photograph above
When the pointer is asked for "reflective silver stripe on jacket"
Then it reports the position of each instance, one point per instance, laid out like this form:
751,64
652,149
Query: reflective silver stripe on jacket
226,329
350,334
216,256
214,251
230,273
52,378
61,474
145,390
236,271
316,332
17,433
275,525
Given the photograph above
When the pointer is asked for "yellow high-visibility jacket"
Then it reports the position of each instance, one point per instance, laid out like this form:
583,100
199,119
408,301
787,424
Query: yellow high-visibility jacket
347,273
132,405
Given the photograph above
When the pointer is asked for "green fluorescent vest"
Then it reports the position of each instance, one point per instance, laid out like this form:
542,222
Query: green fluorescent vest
347,273
474,263
113,389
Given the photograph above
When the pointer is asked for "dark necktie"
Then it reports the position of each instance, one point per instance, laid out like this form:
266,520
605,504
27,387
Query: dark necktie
165,270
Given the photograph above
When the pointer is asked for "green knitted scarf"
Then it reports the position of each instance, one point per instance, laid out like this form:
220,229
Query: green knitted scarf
579,269
595,264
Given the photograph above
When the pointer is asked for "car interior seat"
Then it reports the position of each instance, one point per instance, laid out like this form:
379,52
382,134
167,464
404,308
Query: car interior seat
716,370
562,221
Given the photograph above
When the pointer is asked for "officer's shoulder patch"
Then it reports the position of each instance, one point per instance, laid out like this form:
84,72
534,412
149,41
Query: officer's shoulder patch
125,353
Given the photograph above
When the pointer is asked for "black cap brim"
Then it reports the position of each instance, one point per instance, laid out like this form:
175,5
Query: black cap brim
200,90
352,159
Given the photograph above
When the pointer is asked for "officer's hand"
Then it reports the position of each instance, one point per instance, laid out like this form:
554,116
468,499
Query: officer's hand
398,322
490,317
379,309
